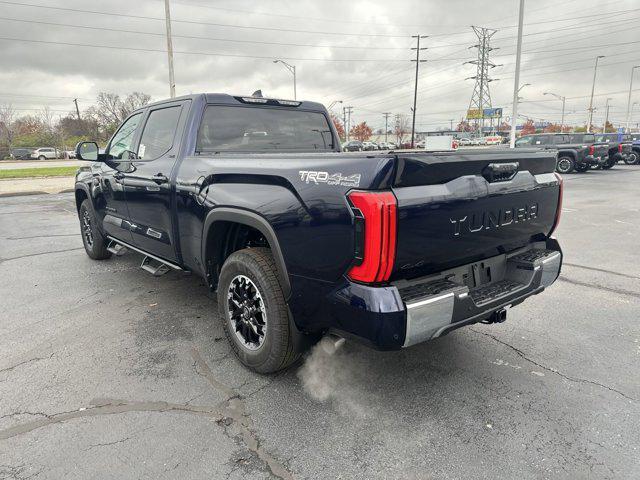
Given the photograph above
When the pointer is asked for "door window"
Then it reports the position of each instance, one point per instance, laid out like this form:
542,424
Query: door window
540,140
122,141
524,141
158,133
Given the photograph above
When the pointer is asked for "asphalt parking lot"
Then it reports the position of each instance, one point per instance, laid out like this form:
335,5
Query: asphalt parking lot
108,372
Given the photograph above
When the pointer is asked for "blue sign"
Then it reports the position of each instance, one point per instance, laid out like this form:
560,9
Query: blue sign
492,112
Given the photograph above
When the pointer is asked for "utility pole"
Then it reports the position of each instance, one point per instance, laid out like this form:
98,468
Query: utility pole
606,115
415,91
172,82
516,82
593,87
451,124
347,120
628,119
386,126
75,100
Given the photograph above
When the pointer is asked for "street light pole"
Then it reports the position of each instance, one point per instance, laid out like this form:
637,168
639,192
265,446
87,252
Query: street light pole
593,86
292,69
172,82
628,119
559,97
516,82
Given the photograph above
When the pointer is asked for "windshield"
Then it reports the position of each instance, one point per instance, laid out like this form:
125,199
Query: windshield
262,129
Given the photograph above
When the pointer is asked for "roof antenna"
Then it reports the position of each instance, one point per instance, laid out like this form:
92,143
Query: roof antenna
257,93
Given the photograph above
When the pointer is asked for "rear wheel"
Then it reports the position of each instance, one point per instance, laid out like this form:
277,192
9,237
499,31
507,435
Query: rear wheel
631,159
581,168
42,157
565,165
254,312
609,164
94,241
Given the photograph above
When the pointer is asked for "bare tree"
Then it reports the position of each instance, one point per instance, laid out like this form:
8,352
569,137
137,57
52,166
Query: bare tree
111,110
401,128
7,124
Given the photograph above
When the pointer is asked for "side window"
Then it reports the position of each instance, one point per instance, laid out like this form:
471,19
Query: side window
122,141
540,140
524,141
560,139
158,133
588,139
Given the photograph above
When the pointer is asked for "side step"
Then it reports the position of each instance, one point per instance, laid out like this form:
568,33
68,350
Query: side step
116,249
154,267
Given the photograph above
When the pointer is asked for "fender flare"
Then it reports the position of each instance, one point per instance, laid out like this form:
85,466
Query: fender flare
253,220
84,187
568,153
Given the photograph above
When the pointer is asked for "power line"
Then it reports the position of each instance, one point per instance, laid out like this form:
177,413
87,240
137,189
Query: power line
213,54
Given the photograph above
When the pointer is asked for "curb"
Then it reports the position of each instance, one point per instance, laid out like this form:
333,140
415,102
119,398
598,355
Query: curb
34,192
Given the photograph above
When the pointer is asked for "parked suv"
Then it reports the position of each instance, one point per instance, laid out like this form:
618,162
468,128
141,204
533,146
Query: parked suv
353,146
576,151
45,153
21,153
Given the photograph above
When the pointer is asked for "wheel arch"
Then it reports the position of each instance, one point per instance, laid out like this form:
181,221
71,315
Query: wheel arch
217,224
568,153
81,194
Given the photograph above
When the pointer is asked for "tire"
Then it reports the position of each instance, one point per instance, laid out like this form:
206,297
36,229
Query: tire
583,167
255,316
632,158
608,165
94,241
42,157
565,165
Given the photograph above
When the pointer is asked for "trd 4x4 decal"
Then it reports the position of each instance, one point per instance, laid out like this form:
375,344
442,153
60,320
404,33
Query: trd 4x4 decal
309,176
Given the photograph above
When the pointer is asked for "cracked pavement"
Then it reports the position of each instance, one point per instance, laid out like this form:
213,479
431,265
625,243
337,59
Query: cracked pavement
108,372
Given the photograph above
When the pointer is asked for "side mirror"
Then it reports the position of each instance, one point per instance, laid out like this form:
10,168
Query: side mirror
87,151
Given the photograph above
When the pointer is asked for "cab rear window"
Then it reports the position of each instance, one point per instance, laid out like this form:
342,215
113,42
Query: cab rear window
262,129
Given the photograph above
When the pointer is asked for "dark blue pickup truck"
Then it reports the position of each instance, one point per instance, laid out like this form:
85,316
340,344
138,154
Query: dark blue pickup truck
300,239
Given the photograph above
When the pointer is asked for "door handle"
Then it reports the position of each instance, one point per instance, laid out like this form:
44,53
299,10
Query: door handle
160,179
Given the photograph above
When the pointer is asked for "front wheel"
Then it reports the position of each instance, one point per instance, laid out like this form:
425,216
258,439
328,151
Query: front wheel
254,312
565,165
94,241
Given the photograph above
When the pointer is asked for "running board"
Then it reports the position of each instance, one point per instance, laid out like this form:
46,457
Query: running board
150,263
116,249
154,267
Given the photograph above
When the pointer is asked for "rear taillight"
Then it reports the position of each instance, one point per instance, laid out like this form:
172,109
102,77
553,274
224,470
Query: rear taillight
592,150
559,210
619,148
375,230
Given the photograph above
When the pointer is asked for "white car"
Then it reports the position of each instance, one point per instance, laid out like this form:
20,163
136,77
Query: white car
464,141
45,153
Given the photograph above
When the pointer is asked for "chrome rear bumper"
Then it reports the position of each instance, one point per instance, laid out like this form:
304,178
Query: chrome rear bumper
438,304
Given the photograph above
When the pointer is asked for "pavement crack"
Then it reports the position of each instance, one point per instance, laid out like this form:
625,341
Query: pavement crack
109,407
521,354
24,362
107,444
41,253
602,270
619,291
236,421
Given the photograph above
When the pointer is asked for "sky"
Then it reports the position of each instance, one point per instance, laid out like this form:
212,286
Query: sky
358,52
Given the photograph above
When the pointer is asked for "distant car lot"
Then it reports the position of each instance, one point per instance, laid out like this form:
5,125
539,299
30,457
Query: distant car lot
113,370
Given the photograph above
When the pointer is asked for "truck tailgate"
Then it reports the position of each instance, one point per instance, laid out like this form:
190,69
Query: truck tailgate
459,208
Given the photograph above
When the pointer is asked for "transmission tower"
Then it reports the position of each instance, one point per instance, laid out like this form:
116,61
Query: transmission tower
481,97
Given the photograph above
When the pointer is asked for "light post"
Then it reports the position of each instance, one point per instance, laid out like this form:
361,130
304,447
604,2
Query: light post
606,115
593,87
629,100
332,104
516,81
292,69
559,97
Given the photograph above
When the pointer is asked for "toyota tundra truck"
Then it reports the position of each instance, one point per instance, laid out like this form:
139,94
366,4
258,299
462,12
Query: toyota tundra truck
301,240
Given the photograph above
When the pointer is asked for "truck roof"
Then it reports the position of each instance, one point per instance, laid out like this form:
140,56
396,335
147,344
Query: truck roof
227,99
